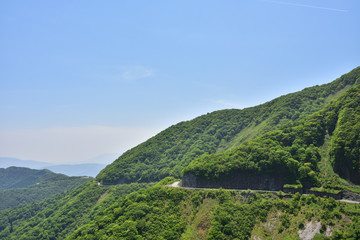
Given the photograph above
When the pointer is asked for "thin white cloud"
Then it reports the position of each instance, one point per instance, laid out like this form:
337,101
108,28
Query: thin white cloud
127,73
306,6
70,145
229,104
132,73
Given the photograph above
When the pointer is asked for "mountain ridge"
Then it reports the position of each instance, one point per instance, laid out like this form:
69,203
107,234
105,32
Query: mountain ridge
167,153
19,185
292,151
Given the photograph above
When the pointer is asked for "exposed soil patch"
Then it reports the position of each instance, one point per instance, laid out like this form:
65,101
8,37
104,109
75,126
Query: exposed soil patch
102,197
310,230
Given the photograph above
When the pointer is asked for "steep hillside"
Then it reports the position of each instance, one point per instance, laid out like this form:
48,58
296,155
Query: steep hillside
62,214
170,151
292,152
343,119
161,212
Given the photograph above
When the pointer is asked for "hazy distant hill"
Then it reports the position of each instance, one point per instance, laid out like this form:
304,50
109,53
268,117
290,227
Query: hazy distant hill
6,162
18,177
23,185
84,169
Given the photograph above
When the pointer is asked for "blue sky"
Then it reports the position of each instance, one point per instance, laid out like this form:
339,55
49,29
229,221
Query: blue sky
83,78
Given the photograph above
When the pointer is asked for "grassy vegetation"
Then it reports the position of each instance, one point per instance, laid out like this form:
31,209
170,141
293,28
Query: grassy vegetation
293,186
325,190
327,175
198,223
245,134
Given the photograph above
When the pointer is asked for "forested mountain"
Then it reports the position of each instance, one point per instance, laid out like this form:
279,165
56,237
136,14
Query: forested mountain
17,177
24,185
308,139
143,211
167,153
62,214
161,212
293,151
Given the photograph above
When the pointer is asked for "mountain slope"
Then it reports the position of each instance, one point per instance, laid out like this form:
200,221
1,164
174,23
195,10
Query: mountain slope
161,212
23,185
142,211
345,143
291,152
16,177
170,151
62,214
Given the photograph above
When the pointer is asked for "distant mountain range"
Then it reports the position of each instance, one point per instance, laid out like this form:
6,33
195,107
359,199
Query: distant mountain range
15,162
83,169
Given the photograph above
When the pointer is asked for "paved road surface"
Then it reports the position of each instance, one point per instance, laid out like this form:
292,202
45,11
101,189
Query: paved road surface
177,184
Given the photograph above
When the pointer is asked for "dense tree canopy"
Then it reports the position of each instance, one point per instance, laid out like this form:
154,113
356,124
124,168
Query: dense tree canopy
161,212
24,185
20,177
60,215
293,149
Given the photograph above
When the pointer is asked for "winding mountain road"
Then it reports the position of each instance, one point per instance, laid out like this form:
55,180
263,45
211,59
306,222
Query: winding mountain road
177,184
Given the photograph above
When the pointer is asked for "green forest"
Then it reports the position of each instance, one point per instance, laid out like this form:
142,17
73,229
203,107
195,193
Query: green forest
148,211
294,149
310,139
17,177
24,185
161,212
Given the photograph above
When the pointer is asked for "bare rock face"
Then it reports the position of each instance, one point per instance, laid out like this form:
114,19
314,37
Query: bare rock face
310,230
237,180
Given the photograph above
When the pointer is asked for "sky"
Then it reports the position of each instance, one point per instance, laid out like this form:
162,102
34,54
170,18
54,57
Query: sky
80,79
